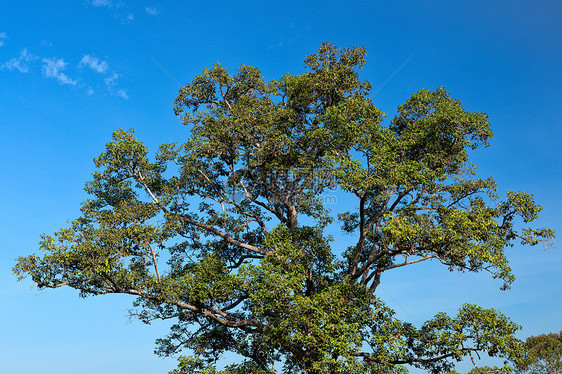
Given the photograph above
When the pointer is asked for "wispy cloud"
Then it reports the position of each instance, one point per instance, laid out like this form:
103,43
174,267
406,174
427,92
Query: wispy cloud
20,63
94,63
2,37
119,9
111,84
152,10
111,81
121,93
101,3
127,19
106,4
57,68
53,68
102,67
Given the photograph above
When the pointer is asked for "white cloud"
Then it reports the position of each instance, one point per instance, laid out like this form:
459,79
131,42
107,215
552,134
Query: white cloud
100,3
94,63
20,63
152,10
2,37
53,67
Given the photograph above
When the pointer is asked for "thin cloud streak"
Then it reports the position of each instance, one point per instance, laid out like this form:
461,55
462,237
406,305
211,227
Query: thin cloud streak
381,86
3,36
165,71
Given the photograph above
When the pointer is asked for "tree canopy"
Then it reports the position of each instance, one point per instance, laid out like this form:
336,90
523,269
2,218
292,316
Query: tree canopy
228,232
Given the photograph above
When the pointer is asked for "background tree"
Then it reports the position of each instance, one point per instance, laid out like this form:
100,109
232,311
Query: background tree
483,370
227,232
543,354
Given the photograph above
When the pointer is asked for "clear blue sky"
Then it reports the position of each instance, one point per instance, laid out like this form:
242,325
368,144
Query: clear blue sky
71,72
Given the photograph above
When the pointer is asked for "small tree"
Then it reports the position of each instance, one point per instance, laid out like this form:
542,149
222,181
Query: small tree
236,210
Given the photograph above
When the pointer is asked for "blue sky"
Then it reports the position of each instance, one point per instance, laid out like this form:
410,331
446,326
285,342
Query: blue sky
73,72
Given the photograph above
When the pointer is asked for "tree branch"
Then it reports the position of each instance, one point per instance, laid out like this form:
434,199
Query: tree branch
204,226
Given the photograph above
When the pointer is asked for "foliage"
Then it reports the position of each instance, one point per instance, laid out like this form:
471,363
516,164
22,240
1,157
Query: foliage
236,212
543,354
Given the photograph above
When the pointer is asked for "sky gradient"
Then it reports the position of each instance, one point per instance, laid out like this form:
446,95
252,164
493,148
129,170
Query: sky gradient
73,72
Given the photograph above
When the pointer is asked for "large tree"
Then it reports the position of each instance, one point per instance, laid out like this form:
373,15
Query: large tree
227,231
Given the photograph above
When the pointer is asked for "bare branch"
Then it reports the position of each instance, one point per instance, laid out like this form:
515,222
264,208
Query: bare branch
154,262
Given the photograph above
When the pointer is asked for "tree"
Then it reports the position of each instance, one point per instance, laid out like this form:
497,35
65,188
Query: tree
543,354
228,233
